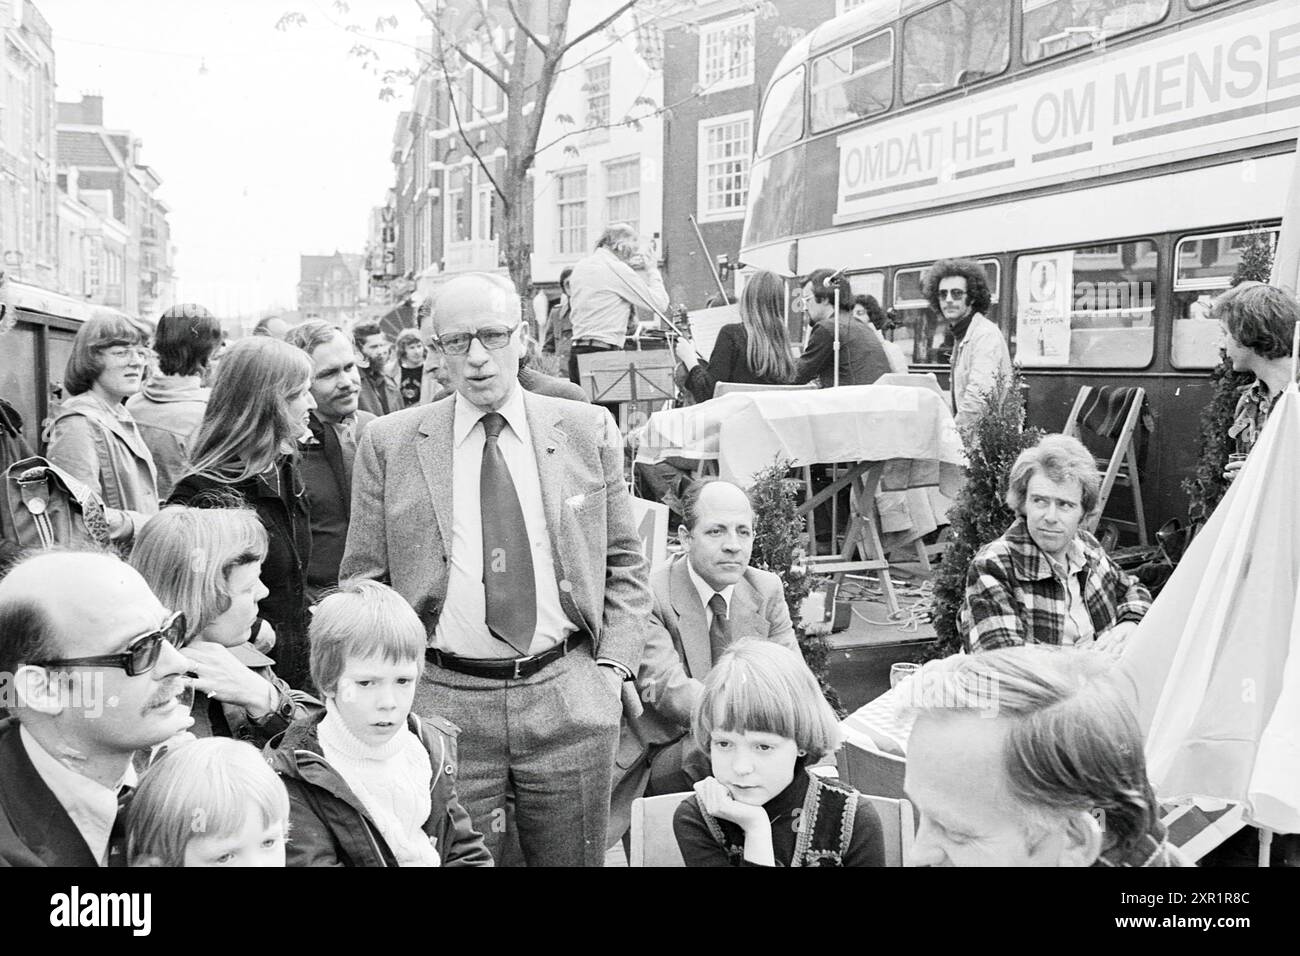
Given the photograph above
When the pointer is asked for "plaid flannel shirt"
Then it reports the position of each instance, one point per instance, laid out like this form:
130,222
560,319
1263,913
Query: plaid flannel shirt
1013,597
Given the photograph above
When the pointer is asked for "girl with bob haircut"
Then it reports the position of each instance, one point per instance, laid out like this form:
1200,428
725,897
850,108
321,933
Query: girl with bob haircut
245,453
753,351
212,802
93,437
371,783
207,563
763,722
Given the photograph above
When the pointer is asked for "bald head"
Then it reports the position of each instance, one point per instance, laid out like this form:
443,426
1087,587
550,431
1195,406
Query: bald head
717,531
87,602
466,298
469,308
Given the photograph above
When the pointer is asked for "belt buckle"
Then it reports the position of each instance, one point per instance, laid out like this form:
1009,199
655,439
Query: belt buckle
519,662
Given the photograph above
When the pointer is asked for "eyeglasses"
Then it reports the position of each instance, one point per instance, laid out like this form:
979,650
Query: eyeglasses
141,652
955,294
493,337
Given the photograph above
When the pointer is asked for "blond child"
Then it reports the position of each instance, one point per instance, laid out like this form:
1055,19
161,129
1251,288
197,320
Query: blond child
763,721
209,802
207,563
370,783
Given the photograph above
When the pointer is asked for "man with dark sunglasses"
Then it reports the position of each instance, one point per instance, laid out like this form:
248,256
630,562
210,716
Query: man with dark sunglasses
87,658
502,517
958,291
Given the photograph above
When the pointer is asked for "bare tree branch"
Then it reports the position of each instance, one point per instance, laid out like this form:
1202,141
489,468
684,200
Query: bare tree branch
519,21
487,22
464,136
599,26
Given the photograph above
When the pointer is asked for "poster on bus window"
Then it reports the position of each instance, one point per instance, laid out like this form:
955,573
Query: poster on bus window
1043,297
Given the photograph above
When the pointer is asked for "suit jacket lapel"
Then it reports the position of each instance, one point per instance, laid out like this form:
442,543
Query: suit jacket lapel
37,818
743,613
549,448
435,451
692,623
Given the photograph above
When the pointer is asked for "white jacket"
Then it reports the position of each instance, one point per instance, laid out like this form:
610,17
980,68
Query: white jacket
976,362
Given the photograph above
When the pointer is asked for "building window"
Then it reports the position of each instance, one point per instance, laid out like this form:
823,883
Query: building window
571,212
725,149
623,192
597,91
727,54
458,202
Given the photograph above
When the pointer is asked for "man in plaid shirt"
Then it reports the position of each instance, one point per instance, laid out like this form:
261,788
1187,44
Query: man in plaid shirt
1046,580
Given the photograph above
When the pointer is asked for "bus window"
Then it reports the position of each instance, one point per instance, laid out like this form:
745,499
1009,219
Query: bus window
953,44
1092,307
782,120
853,82
869,283
1204,266
1055,26
922,334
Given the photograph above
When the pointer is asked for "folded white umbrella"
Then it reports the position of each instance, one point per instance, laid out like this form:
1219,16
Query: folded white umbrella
1215,665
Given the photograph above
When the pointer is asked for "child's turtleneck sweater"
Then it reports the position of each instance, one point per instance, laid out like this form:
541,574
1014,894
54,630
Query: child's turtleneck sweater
392,781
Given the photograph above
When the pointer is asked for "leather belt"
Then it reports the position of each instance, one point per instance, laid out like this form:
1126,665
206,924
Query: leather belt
585,343
516,668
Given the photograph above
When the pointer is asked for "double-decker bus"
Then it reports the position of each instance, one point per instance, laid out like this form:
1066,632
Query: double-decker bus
1106,161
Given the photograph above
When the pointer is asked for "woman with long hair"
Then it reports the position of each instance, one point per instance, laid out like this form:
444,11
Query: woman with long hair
207,563
246,452
753,351
93,437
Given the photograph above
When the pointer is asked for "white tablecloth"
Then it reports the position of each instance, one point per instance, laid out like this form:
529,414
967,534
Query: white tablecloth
746,432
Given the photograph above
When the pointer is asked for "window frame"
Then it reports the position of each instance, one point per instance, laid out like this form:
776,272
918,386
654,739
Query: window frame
634,190
894,69
1201,285
716,28
589,95
901,67
1012,316
703,213
1103,39
580,243
804,105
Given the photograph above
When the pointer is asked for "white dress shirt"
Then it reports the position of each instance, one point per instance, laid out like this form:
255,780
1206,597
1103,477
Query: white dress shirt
462,627
90,806
603,287
705,590
1078,622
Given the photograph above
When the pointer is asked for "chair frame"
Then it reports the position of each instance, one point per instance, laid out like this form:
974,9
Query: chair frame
1122,466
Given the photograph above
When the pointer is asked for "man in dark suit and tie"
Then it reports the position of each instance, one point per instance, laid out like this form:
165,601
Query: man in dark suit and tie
90,670
704,600
502,517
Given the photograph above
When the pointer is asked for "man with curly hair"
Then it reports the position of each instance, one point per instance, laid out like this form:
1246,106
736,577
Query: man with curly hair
958,291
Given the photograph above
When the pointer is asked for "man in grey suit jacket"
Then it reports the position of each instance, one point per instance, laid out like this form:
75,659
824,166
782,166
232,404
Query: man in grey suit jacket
529,649
703,600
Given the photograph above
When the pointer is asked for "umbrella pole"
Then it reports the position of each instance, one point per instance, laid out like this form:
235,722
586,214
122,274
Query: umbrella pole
1265,845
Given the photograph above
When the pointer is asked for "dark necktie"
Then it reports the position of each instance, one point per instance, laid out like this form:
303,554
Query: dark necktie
719,630
117,836
508,584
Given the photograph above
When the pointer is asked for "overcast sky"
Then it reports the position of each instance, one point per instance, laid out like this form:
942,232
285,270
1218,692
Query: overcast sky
269,143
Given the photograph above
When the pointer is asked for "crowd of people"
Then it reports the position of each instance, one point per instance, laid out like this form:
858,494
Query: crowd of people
376,607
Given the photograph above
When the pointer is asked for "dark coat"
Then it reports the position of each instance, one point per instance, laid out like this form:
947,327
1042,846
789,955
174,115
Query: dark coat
377,391
329,499
35,830
284,572
212,718
329,826
728,363
862,357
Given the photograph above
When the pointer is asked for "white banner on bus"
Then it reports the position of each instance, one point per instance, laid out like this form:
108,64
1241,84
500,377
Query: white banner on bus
1043,319
1185,94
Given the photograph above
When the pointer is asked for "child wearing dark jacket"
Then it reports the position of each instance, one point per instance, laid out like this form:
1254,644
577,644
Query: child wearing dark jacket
370,783
763,721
